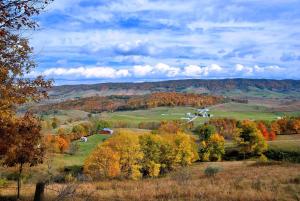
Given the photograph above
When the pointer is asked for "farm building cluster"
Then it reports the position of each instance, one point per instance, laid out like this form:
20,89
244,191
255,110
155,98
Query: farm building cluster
203,112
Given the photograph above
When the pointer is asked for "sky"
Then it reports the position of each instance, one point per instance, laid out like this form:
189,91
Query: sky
93,41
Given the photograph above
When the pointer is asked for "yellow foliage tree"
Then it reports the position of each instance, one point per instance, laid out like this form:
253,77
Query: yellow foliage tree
185,149
129,155
213,148
103,163
249,139
127,148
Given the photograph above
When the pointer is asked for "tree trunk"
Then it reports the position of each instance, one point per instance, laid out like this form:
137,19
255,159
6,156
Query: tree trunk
39,191
19,180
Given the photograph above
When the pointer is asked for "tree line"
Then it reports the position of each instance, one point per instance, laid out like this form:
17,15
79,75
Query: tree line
118,103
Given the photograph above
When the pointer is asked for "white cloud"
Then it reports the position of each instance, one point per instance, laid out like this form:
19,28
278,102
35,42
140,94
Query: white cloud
141,71
257,70
159,69
163,71
192,70
87,72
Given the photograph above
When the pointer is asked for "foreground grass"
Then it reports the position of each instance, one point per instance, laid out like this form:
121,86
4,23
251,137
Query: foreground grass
240,181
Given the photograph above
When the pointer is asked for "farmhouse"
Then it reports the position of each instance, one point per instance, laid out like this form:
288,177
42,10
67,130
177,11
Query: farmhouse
203,112
106,131
83,139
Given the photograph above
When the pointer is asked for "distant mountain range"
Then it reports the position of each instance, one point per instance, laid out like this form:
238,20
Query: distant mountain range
243,88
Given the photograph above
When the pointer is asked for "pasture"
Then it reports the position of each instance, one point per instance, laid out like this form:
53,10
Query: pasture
230,110
85,148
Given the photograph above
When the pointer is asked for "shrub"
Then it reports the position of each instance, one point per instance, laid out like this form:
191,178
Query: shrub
262,159
3,182
212,171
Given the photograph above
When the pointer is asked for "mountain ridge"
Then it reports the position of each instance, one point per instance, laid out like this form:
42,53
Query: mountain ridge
228,87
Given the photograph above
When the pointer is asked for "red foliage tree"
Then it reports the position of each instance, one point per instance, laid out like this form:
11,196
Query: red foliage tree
263,129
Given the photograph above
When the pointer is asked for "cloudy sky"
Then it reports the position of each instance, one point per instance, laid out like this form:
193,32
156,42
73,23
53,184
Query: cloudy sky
90,41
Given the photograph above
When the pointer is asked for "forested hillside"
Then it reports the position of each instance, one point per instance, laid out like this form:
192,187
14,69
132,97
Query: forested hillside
117,103
230,87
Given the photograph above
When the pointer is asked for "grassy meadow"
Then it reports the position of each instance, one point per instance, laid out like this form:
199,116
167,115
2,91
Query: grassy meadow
235,181
230,110
84,149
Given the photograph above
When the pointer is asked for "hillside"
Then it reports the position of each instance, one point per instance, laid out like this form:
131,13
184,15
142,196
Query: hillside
134,102
229,87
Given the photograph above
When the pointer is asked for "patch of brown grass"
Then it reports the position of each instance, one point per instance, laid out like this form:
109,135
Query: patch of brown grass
238,181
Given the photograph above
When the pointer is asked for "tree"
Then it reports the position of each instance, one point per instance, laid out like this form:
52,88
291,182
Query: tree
16,55
249,139
25,144
62,144
15,89
98,125
151,146
103,163
213,148
186,150
170,127
263,129
205,131
126,148
54,123
79,129
130,155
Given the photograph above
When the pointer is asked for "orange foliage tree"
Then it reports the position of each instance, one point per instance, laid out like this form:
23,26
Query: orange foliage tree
19,136
263,129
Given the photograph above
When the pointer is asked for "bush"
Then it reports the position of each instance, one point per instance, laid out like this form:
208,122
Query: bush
278,155
212,171
262,159
3,182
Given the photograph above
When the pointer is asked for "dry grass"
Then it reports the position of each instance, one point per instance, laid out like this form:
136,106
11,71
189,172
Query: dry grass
240,181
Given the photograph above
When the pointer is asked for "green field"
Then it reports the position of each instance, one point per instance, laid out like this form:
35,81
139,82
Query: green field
85,148
230,110
286,143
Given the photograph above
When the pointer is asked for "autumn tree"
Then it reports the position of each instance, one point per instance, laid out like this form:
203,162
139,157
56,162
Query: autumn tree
103,163
79,129
205,131
133,155
224,126
16,55
263,129
124,147
249,139
151,146
25,144
170,127
62,144
19,136
212,148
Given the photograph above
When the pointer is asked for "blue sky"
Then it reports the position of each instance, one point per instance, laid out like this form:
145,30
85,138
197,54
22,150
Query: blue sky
89,41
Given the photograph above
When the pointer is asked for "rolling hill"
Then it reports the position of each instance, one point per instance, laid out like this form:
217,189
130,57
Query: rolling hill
242,88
